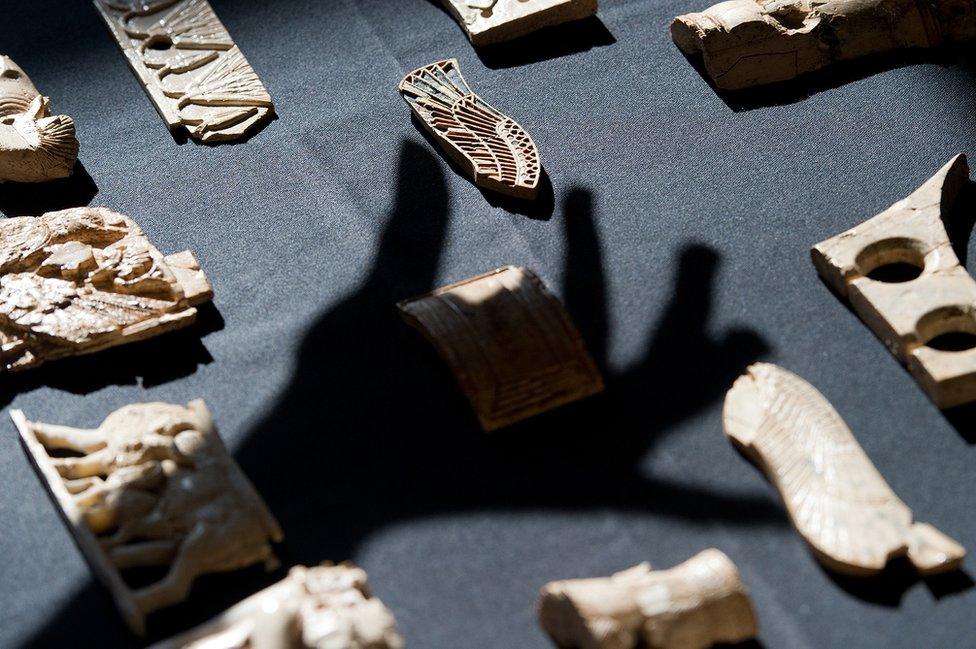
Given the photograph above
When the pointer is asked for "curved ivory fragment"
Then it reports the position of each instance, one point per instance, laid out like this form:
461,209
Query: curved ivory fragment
695,605
152,486
492,148
85,279
326,607
34,146
835,497
509,342
189,66
747,43
911,316
493,21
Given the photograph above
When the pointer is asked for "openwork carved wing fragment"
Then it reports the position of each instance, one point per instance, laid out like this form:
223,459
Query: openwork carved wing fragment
493,21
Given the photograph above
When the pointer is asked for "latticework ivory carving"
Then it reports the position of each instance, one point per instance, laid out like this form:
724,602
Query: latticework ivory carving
492,148
837,500
695,605
85,279
34,146
509,342
327,607
492,21
911,316
747,43
189,65
152,486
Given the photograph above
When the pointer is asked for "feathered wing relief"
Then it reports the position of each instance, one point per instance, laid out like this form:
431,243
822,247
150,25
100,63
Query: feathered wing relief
194,73
835,497
492,21
492,148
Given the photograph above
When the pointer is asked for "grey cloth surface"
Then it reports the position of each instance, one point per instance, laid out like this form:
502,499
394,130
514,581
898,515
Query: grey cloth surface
677,233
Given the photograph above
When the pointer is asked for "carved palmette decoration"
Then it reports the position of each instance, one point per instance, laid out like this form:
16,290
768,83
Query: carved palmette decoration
695,605
492,148
913,317
835,497
189,65
326,607
152,486
509,342
492,21
85,279
34,145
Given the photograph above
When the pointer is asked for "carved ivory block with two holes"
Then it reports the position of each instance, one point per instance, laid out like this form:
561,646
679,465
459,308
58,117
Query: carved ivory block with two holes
492,21
34,146
189,65
491,148
86,279
695,605
747,43
914,318
509,342
327,607
835,497
152,486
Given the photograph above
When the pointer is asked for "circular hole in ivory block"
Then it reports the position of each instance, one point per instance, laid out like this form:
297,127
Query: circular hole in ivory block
894,260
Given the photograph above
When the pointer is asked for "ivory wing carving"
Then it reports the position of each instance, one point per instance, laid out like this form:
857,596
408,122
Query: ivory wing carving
835,497
492,21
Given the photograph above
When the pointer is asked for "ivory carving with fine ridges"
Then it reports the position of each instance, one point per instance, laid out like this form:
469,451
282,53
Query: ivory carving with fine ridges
152,486
492,21
695,605
189,65
917,319
492,148
509,342
835,497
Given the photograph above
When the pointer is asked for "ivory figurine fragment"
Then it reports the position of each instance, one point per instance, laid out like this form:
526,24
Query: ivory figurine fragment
695,605
835,497
509,342
492,21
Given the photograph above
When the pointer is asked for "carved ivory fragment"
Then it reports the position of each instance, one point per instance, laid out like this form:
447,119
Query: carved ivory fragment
34,146
913,317
492,21
327,607
152,486
747,43
189,65
491,148
509,342
835,497
695,605
85,279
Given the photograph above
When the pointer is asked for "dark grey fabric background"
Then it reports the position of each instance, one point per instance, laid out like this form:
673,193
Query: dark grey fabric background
677,234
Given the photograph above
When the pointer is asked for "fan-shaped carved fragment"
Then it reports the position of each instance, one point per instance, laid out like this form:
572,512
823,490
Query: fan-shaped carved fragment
493,21
695,605
492,148
509,342
835,497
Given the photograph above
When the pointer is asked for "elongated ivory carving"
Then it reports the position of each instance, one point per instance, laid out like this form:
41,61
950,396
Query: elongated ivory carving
509,342
152,486
695,605
492,148
836,498
492,21
327,607
86,279
747,43
34,146
914,318
189,65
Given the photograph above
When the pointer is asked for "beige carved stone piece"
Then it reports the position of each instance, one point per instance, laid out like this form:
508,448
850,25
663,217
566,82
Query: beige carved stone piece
85,279
835,497
915,318
509,342
327,607
747,43
152,486
695,605
34,146
189,65
492,21
492,148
